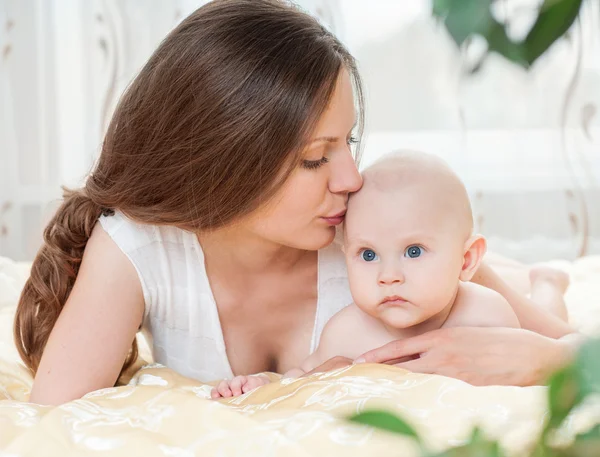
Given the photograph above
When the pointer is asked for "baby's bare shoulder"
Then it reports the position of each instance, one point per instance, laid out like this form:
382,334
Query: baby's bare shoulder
478,306
348,319
350,332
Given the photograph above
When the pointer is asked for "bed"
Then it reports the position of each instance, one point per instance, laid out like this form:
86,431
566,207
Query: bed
158,412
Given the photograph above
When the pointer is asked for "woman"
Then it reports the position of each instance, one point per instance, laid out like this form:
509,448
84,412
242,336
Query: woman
209,219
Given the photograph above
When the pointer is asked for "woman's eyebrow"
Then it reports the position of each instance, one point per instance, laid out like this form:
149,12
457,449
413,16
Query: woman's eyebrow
331,139
328,139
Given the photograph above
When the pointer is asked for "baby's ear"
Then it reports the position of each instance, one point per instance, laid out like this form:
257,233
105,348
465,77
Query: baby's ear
475,249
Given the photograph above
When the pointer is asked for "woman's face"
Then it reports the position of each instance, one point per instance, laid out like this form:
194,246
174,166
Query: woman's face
312,202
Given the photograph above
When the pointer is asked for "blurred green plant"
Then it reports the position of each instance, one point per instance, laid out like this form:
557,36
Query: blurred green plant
568,388
465,19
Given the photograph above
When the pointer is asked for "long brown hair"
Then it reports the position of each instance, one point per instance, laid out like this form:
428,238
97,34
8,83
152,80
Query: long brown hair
208,131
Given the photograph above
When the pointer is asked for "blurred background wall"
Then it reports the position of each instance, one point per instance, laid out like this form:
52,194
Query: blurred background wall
526,143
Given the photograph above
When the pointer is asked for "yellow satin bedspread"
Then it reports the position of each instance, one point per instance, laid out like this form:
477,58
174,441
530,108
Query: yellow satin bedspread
160,413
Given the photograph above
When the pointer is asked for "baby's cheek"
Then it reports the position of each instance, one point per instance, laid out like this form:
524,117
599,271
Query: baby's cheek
423,281
362,286
438,288
423,276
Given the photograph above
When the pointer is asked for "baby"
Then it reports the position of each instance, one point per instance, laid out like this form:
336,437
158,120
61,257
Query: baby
410,253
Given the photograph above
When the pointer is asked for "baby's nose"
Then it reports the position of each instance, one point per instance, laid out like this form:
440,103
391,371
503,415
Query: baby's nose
391,275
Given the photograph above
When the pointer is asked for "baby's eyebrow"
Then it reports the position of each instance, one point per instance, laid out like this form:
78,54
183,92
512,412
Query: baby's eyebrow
358,242
421,239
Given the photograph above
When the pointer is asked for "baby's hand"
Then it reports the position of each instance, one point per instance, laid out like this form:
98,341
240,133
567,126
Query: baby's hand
238,386
293,373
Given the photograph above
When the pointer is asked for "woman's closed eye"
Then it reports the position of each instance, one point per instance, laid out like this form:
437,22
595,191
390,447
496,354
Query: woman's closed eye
314,164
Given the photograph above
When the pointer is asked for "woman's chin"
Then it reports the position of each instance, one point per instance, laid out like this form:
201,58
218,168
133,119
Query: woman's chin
326,237
316,239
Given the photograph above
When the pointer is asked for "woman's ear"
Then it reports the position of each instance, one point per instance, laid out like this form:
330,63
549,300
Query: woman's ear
475,249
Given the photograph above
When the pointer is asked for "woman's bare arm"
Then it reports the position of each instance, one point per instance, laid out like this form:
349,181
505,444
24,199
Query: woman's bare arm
95,330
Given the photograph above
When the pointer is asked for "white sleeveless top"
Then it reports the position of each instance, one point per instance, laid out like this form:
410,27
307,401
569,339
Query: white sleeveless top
181,320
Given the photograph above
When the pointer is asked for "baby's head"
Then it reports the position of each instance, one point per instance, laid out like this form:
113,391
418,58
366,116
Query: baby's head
408,239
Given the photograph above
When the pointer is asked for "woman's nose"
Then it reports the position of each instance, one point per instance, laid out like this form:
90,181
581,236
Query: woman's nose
345,177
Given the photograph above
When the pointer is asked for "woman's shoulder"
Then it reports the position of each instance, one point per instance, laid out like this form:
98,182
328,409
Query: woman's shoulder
132,236
165,258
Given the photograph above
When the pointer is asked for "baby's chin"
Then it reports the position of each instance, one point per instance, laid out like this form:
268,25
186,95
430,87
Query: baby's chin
400,318
395,316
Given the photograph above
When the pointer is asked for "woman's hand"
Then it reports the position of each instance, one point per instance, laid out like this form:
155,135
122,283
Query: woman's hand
479,356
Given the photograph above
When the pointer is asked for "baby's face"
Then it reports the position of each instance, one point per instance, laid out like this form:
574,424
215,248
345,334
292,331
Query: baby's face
403,256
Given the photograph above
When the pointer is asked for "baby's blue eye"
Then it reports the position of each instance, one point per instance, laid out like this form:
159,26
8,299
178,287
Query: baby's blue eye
413,252
369,255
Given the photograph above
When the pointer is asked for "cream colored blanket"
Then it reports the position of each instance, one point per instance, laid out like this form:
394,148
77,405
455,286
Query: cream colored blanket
161,413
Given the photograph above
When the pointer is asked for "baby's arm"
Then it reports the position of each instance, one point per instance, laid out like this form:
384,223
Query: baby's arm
478,306
318,357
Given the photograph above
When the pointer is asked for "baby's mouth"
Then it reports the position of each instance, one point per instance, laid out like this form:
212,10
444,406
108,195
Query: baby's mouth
393,300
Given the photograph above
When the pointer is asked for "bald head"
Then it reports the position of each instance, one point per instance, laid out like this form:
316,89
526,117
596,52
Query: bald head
428,178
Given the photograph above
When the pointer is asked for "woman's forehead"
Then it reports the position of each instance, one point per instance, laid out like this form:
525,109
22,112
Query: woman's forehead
341,112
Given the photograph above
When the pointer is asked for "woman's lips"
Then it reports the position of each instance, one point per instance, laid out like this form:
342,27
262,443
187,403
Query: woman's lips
336,219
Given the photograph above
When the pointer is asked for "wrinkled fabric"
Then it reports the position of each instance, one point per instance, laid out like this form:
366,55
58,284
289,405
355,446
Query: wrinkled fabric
161,413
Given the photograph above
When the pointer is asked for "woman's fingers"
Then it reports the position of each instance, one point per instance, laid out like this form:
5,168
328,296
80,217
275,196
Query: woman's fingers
400,350
480,356
396,361
419,365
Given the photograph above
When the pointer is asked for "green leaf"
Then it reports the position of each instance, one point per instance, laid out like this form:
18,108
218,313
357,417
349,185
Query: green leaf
570,386
386,421
588,367
499,42
477,446
554,20
464,18
563,395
